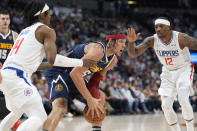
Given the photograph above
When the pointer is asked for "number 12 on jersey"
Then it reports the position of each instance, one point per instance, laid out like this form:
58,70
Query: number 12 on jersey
16,46
168,61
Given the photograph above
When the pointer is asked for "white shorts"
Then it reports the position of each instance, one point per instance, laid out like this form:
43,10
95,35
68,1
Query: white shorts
170,78
18,91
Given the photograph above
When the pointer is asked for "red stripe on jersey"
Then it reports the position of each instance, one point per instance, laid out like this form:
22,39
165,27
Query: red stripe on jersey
192,66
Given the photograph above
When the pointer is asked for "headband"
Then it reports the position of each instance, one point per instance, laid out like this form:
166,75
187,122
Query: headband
117,36
46,7
162,21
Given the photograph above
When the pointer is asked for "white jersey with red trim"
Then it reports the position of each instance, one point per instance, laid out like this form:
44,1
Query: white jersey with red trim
170,55
27,53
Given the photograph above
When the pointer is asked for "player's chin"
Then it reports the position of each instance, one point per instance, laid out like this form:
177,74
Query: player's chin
118,54
159,35
5,26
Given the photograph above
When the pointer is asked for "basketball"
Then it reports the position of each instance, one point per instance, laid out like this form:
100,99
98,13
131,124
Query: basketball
95,119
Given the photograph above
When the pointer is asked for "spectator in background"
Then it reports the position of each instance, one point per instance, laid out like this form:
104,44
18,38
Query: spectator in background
127,94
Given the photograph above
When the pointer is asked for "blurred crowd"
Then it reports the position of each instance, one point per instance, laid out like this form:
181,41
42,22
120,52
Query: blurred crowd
132,86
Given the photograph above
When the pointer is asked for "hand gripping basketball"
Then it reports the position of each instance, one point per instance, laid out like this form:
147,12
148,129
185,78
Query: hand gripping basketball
94,90
94,119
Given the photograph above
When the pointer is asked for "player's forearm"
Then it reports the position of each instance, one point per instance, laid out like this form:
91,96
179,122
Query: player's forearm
64,61
80,84
132,50
44,66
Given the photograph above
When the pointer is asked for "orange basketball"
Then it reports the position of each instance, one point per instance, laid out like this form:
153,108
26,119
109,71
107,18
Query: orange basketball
95,119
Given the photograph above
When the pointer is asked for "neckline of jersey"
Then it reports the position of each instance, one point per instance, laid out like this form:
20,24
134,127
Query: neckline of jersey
5,36
168,42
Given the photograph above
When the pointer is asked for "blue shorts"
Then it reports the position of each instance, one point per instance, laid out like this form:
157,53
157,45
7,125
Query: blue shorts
61,85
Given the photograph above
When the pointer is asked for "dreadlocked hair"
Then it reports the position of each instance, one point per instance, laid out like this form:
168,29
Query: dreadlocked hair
31,9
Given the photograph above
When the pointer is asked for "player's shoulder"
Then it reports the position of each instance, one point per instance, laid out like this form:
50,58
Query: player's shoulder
182,36
150,37
94,49
45,30
95,45
149,40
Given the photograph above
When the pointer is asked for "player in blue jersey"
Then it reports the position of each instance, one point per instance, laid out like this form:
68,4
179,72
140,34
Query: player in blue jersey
68,83
7,39
7,36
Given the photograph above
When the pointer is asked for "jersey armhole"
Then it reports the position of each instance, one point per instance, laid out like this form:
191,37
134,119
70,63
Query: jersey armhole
155,40
178,46
38,26
111,60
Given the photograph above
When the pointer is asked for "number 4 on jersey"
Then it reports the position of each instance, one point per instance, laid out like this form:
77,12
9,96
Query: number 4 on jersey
16,46
168,61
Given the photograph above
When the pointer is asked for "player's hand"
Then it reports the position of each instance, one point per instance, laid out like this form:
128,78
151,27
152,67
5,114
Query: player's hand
94,106
132,36
88,62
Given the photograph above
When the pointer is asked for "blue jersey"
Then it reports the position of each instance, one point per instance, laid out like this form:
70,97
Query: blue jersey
6,43
59,81
78,52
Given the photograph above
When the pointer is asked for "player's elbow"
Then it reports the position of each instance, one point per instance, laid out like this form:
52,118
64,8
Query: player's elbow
51,61
73,74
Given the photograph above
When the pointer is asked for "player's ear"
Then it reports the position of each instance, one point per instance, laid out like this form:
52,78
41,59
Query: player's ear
169,27
41,16
109,42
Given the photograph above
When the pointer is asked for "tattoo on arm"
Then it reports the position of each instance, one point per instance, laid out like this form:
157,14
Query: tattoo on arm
188,41
141,48
92,46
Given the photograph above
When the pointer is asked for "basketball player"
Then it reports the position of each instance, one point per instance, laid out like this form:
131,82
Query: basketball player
68,83
7,39
32,44
7,36
171,48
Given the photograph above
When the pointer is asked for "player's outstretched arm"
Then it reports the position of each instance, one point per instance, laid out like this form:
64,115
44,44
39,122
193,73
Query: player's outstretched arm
141,48
63,61
187,41
47,36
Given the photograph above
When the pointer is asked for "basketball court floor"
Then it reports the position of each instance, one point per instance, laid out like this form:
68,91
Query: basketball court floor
149,122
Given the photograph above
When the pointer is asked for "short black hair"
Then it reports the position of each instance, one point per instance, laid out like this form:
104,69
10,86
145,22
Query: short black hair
4,11
31,9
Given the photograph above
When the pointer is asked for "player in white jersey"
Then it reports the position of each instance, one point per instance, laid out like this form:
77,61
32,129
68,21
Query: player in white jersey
32,44
171,48
7,39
